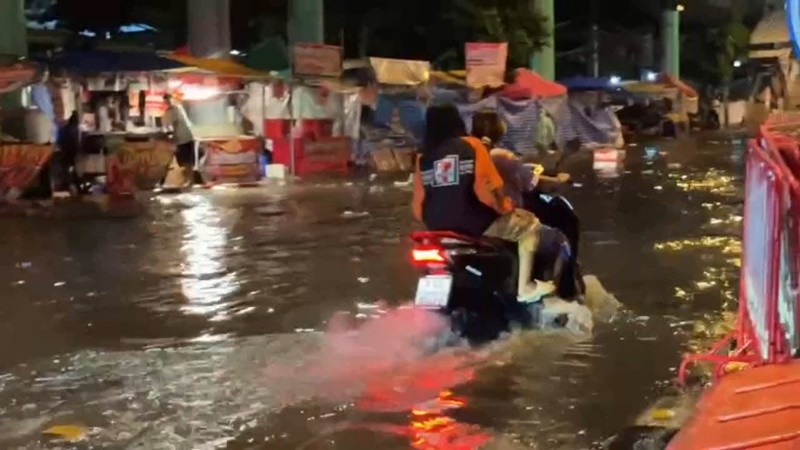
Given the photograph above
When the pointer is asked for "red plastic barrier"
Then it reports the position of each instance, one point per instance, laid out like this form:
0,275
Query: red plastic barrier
769,313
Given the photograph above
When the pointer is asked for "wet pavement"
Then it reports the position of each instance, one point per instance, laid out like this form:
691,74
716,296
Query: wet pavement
202,323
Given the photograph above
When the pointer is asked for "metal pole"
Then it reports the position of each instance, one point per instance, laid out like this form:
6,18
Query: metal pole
292,168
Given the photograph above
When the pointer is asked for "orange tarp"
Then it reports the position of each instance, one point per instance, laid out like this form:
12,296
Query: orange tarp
670,80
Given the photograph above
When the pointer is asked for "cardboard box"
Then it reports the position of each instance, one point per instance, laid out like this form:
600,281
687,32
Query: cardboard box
383,160
404,158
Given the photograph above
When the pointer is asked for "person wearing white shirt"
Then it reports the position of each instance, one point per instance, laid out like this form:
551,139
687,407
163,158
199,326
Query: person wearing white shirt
177,121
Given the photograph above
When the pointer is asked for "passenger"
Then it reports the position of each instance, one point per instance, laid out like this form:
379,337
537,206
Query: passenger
457,188
519,180
518,177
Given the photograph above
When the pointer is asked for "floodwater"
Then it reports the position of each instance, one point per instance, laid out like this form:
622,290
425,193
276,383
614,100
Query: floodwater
204,323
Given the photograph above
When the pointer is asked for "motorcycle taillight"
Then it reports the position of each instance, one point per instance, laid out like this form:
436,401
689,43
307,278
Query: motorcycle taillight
428,254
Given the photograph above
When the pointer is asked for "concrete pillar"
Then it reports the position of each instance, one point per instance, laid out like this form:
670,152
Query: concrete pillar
671,41
209,27
306,21
13,41
544,60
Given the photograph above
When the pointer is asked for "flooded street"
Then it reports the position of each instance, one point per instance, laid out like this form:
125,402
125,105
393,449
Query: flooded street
202,323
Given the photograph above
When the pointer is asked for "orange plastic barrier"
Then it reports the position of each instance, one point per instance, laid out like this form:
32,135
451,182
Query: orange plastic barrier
755,409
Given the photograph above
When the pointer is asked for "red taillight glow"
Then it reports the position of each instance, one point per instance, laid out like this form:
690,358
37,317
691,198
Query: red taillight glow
427,255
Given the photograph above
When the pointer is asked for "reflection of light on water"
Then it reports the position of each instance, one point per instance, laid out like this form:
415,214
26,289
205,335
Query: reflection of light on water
713,181
728,245
205,281
723,279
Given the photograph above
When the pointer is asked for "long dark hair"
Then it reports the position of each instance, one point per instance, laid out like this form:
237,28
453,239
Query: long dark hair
442,123
487,125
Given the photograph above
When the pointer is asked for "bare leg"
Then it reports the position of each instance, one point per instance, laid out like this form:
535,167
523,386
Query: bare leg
525,250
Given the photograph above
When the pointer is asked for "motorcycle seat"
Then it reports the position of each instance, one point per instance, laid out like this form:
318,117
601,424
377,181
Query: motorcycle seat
451,238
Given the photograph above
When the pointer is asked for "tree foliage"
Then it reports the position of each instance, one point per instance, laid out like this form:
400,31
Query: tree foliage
436,30
414,29
730,42
509,21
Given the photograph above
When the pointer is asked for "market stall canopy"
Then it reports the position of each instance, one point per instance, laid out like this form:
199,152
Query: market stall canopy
770,38
450,77
16,75
225,67
682,86
645,87
529,84
401,72
587,84
107,61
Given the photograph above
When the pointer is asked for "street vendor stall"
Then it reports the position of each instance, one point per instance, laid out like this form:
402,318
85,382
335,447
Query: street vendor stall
311,120
120,135
671,99
20,162
227,148
398,123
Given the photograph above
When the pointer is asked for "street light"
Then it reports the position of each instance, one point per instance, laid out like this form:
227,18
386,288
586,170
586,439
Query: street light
679,8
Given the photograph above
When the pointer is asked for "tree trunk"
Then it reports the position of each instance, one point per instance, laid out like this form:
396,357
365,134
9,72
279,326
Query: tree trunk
725,95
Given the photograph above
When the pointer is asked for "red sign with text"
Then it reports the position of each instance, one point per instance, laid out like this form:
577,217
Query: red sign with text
20,164
231,161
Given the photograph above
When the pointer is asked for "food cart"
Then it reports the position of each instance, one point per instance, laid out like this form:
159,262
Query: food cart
129,151
213,92
310,121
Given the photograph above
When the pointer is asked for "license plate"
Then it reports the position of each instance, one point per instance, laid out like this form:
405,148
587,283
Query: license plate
433,291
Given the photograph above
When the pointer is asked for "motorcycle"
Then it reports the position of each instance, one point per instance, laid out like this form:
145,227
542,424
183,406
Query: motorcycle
473,281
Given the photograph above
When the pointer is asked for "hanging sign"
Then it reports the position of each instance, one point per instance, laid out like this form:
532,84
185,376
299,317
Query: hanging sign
485,63
20,164
231,161
316,60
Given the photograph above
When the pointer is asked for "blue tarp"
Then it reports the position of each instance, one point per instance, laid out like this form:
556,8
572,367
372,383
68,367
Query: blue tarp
410,109
587,84
521,118
104,61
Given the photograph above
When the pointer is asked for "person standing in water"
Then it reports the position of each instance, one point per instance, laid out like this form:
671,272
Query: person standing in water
177,121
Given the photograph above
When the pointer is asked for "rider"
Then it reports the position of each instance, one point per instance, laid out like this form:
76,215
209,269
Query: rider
457,188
